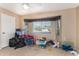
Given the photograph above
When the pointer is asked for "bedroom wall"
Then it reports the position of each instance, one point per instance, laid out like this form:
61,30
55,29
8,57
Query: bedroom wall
68,23
77,27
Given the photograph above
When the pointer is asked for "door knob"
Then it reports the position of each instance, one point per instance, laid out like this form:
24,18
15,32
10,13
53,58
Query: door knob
3,32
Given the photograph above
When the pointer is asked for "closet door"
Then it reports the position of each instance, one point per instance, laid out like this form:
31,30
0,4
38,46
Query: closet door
7,29
12,26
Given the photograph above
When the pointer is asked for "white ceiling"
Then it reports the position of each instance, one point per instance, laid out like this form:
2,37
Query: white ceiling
37,7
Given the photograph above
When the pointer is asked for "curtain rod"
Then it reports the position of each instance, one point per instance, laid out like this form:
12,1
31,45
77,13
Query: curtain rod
43,19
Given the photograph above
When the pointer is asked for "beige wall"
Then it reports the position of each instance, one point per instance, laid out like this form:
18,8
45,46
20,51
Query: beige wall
77,11
68,23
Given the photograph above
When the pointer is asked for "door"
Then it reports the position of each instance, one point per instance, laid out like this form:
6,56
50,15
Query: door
7,29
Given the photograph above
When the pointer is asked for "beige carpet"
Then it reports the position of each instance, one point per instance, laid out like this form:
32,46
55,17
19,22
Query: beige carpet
33,51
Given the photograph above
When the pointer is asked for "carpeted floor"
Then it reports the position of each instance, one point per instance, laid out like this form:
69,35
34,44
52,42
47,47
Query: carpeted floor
33,51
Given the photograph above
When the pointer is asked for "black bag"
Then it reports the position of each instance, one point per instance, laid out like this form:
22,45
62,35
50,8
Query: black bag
12,42
50,42
17,42
20,42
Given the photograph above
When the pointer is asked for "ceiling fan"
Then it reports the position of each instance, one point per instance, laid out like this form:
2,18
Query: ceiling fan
29,5
26,5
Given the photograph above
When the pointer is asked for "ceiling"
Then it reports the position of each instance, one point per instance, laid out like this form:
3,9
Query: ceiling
37,7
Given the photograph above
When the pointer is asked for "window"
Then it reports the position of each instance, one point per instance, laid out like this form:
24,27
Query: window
41,26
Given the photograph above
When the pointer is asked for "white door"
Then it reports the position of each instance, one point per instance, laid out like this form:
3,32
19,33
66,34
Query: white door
7,29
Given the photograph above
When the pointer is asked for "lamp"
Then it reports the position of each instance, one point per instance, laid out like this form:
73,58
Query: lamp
25,6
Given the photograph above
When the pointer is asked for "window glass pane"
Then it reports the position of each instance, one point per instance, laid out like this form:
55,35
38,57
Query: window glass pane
46,26
36,27
41,26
